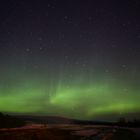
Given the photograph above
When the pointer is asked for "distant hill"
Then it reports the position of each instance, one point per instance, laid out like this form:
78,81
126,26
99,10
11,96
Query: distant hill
48,119
7,121
20,120
60,120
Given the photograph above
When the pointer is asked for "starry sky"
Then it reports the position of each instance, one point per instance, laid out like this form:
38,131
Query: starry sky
75,58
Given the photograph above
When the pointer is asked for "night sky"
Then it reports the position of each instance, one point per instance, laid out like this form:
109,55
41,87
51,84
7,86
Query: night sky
77,59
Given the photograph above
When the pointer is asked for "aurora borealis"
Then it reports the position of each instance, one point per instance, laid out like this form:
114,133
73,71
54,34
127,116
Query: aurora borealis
73,59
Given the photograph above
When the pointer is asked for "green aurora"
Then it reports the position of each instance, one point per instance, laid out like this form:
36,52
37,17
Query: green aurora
84,96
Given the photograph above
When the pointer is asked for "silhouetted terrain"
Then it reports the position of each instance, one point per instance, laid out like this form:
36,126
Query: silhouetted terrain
48,119
17,121
60,128
62,120
7,121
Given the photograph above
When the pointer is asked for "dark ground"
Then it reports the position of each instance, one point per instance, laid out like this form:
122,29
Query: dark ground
68,133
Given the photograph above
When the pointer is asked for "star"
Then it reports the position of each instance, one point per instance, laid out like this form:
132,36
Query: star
107,71
41,48
28,49
65,17
124,66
